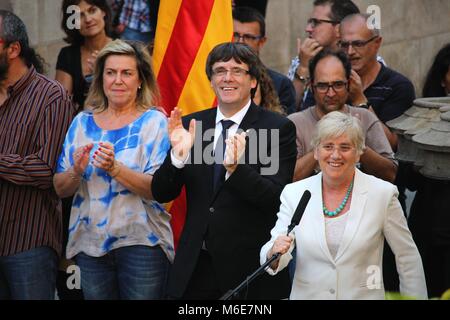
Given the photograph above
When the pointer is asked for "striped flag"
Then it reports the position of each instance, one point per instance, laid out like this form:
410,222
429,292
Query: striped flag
186,32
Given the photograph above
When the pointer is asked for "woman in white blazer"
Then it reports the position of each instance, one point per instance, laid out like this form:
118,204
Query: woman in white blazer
340,238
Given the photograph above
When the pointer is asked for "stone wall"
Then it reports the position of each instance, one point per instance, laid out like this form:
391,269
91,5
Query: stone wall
413,32
42,18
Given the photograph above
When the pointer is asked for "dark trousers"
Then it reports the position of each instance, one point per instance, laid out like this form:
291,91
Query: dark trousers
203,284
29,275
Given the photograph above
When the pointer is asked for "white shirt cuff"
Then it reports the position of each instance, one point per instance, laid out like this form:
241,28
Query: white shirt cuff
178,163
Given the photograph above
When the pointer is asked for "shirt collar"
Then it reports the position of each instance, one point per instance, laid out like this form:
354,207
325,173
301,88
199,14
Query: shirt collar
236,118
22,83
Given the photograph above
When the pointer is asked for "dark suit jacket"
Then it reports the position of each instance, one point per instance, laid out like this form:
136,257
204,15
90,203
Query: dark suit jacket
285,90
236,221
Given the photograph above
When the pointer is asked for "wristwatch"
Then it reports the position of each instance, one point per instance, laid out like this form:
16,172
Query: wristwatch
363,105
302,79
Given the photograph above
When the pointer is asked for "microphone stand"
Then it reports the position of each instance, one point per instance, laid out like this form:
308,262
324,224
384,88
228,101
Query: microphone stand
231,293
294,222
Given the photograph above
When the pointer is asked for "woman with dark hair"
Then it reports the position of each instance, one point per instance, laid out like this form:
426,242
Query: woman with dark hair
75,62
266,95
437,83
73,70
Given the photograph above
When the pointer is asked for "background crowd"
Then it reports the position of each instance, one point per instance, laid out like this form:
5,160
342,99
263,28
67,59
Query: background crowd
89,160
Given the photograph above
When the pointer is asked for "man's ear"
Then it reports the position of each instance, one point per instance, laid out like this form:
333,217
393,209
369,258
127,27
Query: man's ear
13,50
378,42
337,31
261,43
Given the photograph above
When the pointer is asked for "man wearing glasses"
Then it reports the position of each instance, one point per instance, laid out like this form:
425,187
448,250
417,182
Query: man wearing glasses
384,92
387,92
322,31
231,205
330,76
250,28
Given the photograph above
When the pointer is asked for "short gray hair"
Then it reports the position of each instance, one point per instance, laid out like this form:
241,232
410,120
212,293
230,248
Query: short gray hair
363,16
337,123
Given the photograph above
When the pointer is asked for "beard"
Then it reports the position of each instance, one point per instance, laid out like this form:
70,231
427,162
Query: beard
4,67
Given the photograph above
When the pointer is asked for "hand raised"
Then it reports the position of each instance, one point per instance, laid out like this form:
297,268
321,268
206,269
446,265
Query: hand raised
91,61
104,157
81,158
180,139
307,50
235,148
356,90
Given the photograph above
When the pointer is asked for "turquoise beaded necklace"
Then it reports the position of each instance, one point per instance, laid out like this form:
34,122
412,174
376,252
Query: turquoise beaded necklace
341,206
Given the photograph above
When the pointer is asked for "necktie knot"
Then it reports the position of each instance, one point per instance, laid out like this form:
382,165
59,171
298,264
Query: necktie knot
226,124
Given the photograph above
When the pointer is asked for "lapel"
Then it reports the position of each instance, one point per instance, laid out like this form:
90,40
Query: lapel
208,122
357,204
250,118
318,220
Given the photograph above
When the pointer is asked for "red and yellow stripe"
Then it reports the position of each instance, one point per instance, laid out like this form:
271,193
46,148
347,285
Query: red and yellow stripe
187,30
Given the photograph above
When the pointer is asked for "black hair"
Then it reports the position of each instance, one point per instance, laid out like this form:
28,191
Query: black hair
73,35
339,8
437,73
341,56
247,14
13,30
241,53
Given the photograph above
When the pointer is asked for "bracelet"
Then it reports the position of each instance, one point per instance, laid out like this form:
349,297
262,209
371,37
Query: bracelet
115,169
73,175
300,78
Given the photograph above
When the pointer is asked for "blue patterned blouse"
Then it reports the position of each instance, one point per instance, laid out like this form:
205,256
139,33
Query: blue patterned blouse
105,215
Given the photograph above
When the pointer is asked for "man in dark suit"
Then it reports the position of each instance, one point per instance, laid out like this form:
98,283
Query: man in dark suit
250,28
232,202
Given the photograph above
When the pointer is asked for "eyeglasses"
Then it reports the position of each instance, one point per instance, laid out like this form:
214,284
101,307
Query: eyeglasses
315,22
337,86
342,148
235,72
355,44
245,37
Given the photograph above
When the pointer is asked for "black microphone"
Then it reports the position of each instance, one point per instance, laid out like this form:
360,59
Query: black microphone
299,211
296,217
294,221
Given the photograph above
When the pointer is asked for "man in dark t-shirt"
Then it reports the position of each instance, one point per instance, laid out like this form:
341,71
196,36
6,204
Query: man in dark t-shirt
383,91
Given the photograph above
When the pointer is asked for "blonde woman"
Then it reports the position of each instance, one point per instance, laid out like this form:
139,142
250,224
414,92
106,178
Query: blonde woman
119,236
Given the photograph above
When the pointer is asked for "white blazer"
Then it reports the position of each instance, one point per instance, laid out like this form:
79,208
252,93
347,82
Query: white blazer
356,272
